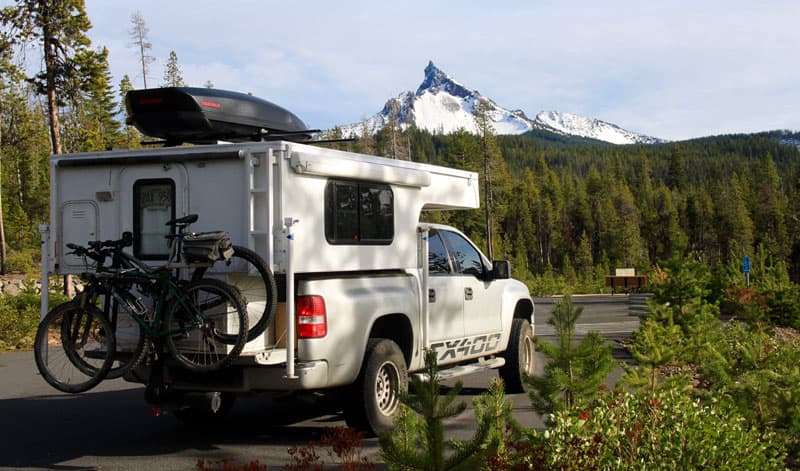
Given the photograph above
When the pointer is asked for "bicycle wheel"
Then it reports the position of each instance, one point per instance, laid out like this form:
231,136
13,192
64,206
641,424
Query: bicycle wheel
249,273
206,328
131,347
74,347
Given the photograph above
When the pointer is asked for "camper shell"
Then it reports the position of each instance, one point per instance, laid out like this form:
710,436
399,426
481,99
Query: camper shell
252,190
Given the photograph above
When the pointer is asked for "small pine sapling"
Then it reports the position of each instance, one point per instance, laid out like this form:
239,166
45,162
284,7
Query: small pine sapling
574,372
427,450
502,431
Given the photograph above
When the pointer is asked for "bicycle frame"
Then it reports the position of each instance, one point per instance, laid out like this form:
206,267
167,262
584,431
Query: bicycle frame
167,290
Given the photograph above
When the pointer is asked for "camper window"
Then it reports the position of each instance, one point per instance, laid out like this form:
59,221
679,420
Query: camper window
359,213
153,206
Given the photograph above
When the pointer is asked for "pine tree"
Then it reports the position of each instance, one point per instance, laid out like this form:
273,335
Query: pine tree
59,27
574,371
769,214
91,124
131,138
496,182
172,72
401,450
502,429
8,74
656,344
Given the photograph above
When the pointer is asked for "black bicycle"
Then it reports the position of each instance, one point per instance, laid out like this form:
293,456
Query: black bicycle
245,270
201,323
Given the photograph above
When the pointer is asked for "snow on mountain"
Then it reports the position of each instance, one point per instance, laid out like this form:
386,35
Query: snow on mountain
574,125
443,105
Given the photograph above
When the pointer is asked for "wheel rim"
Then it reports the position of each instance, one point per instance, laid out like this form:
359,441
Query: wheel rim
527,355
386,387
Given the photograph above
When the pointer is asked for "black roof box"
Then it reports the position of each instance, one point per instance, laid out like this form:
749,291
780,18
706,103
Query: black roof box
208,115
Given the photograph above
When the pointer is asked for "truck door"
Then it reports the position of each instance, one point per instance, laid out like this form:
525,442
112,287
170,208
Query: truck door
480,298
150,196
445,303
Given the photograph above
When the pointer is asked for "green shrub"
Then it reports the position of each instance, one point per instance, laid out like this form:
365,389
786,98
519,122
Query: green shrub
20,314
25,261
665,429
771,299
762,379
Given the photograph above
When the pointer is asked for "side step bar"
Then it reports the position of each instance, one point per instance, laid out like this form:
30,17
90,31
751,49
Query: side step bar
463,370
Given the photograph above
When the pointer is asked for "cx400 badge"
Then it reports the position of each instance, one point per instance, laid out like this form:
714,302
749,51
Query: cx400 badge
467,347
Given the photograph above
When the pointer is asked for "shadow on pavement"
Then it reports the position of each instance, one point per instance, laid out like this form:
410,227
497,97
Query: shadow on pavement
45,431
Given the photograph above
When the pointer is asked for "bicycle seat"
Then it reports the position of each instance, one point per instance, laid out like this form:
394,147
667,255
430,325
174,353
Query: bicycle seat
183,221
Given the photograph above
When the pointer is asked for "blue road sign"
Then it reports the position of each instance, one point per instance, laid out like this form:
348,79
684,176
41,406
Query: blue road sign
746,264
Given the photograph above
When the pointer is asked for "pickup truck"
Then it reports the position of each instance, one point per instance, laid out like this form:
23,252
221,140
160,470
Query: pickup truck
364,287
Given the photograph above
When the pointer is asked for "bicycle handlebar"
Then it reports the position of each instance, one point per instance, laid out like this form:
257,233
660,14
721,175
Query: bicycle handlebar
98,250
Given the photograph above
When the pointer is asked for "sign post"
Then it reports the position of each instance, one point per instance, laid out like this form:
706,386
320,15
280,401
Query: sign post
746,268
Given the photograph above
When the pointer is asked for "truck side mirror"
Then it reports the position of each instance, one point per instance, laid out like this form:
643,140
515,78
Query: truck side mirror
501,270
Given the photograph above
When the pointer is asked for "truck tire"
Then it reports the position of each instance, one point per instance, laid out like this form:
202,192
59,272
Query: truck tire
375,396
520,357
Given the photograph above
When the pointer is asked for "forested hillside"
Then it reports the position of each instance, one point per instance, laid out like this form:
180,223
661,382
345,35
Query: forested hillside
582,208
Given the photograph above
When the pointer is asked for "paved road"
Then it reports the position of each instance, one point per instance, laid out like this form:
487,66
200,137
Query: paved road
110,427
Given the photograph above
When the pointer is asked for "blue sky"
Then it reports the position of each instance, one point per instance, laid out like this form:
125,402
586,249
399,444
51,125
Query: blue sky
674,70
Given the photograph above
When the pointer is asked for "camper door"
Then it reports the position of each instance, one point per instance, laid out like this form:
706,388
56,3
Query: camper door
151,195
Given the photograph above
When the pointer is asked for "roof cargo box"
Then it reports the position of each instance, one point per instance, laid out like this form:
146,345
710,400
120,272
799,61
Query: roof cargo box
207,115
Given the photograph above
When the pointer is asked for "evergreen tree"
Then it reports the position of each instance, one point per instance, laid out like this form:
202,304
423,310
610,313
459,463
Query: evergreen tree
59,27
91,122
733,222
429,452
491,160
575,370
769,214
9,74
131,138
172,72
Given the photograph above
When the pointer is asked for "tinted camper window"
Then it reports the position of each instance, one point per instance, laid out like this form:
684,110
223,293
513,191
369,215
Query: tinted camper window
359,213
153,206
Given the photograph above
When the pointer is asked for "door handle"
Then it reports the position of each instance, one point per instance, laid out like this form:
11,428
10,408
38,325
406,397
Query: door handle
431,296
468,294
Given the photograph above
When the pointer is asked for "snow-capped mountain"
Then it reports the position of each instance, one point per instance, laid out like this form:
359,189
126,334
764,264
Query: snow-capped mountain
443,105
574,125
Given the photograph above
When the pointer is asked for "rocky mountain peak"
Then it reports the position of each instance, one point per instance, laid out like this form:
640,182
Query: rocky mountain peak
436,80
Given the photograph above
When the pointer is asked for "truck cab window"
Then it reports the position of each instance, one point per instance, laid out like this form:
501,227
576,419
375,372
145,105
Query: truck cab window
466,258
438,263
153,206
359,213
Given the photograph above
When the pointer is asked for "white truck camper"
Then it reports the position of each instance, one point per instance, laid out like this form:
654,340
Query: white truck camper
364,288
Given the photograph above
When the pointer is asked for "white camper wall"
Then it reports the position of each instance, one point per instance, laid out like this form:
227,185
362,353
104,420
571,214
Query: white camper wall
248,190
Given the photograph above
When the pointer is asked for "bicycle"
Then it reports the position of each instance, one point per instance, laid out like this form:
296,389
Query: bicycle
202,323
258,290
245,270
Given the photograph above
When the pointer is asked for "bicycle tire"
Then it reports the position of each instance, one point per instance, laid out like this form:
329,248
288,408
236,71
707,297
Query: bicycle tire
74,347
131,341
260,292
218,340
129,338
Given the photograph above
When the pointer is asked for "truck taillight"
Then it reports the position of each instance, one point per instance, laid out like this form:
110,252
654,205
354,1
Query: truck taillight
312,322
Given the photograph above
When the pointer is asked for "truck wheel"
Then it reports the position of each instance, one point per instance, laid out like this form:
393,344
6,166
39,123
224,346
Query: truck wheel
374,398
520,357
